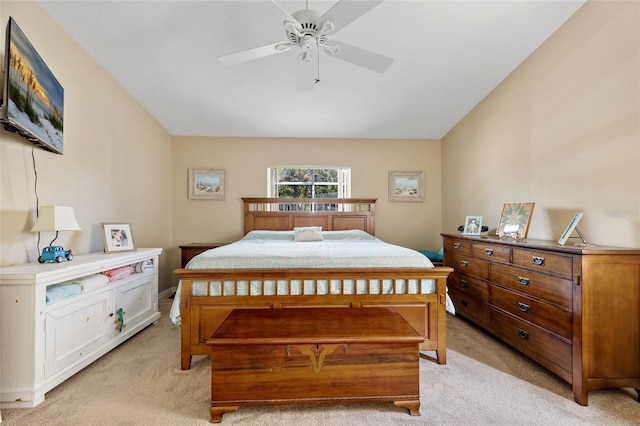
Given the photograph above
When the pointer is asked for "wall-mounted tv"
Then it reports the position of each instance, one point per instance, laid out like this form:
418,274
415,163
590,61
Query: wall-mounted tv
32,98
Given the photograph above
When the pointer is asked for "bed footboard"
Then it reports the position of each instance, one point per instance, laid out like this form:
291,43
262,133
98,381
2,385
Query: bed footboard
201,315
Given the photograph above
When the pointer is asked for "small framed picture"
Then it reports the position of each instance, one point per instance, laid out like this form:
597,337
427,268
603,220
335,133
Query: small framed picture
406,186
206,184
515,220
570,227
472,225
117,237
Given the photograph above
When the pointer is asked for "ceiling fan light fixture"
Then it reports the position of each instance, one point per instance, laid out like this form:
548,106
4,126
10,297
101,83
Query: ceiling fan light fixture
331,48
308,43
305,58
290,27
325,27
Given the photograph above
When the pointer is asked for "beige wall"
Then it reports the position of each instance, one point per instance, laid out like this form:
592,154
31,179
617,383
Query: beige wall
413,224
563,130
116,163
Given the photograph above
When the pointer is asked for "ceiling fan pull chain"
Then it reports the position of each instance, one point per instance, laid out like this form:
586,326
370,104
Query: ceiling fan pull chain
318,72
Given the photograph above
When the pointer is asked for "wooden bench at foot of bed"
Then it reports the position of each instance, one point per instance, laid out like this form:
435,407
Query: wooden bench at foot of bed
314,356
202,315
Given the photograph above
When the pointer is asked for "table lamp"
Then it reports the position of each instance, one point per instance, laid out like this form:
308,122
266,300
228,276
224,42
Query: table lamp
55,218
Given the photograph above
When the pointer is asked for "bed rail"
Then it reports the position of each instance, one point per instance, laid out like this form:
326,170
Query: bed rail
201,315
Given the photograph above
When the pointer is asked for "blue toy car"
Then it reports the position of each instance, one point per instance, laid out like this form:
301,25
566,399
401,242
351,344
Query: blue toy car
55,254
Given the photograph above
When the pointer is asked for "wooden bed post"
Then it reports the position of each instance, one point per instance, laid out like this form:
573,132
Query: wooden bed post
185,321
441,351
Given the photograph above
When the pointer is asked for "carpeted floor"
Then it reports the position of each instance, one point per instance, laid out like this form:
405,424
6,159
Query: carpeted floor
483,383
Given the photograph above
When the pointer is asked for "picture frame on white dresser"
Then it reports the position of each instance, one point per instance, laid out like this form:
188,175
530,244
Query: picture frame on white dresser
117,237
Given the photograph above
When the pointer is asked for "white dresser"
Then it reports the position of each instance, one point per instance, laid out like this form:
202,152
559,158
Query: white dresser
43,344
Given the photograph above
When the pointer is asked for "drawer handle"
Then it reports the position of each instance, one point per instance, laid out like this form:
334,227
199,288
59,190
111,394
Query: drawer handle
488,252
456,245
523,334
464,263
523,307
523,280
538,261
464,283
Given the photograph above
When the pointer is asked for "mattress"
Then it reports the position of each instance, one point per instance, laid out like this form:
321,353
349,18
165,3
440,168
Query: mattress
336,249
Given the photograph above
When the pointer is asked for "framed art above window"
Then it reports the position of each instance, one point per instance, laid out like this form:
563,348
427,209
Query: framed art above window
206,184
406,186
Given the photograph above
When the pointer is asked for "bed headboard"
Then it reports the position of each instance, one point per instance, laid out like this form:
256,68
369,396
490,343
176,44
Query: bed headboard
333,214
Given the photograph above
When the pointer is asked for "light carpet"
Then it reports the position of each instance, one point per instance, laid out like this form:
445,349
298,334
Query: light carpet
483,383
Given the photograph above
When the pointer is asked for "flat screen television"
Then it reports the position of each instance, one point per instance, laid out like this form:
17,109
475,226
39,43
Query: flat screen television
32,98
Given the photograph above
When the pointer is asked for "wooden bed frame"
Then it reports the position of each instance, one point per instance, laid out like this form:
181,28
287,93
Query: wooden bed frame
202,315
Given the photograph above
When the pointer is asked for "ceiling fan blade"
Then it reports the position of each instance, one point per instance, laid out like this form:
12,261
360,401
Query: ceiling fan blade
287,14
255,53
361,57
306,71
345,12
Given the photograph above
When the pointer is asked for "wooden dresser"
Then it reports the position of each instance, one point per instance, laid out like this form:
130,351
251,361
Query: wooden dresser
575,310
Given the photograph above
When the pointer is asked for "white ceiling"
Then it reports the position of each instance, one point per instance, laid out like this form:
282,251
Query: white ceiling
448,55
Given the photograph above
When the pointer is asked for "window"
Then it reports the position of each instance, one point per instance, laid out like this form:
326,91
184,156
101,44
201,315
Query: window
308,182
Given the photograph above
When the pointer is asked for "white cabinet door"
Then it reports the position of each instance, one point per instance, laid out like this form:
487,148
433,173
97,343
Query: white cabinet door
137,299
75,330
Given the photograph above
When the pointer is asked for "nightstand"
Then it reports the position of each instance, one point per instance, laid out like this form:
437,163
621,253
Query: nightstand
194,249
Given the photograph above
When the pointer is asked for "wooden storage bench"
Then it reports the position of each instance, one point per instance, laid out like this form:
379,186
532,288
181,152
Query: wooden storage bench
314,355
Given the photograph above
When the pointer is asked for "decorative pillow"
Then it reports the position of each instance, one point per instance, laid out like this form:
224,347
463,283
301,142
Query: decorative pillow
307,233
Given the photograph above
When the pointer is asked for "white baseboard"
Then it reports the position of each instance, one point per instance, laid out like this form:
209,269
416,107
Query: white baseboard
168,292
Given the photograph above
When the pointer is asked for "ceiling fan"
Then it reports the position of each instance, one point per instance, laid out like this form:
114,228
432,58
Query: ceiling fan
309,31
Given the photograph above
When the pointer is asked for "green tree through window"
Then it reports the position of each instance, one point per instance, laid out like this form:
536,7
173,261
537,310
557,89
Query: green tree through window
309,182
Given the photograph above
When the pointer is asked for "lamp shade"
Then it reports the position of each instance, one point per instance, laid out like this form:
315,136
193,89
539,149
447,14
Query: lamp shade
56,218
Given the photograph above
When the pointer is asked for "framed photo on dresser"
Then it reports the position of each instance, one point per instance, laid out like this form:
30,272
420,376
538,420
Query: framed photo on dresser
117,237
514,220
472,225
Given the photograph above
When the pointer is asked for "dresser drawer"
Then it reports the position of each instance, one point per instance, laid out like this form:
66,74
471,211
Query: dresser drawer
467,264
544,261
553,289
470,308
492,252
551,317
457,246
529,338
468,285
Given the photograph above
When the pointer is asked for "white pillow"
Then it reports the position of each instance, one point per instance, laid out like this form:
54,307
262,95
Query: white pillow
307,233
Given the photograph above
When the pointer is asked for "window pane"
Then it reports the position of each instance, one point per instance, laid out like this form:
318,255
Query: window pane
326,175
295,175
308,182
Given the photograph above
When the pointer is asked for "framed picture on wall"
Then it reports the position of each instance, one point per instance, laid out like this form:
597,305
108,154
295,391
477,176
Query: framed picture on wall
406,186
515,219
472,225
206,184
117,237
